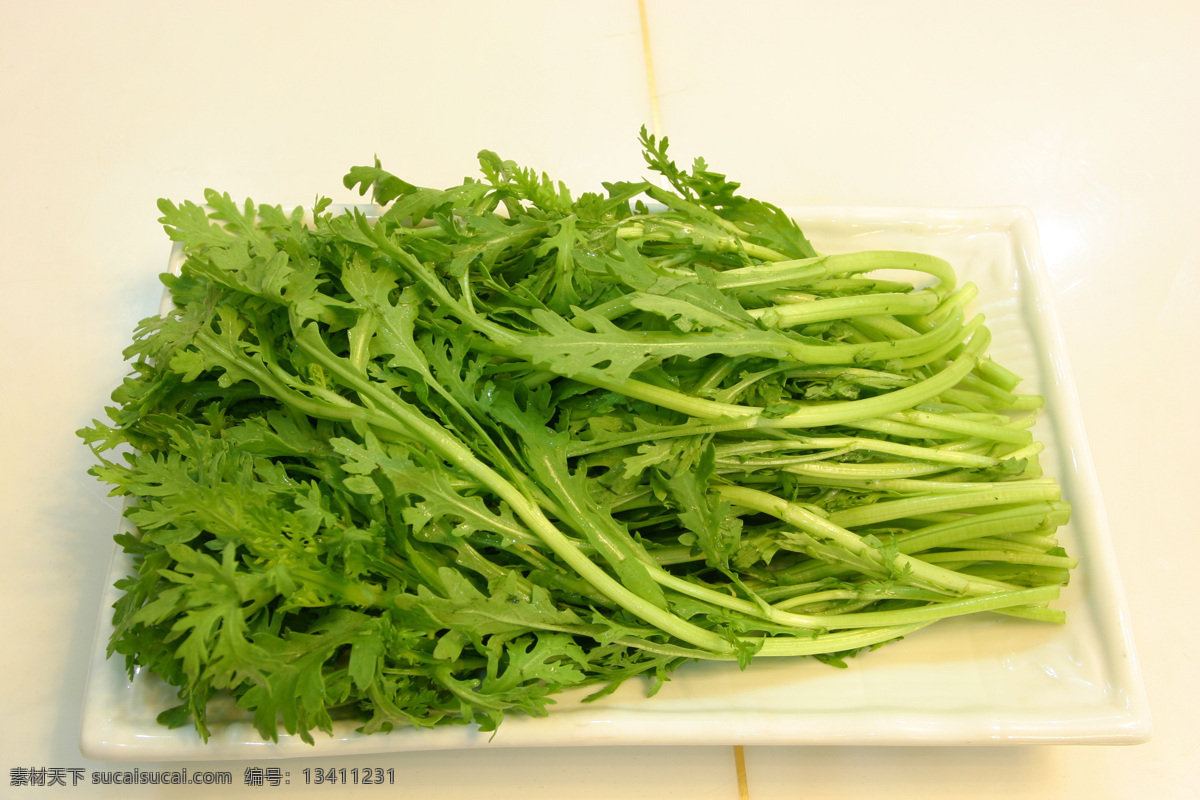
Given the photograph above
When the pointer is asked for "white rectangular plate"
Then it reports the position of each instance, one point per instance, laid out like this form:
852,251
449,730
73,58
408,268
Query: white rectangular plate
968,681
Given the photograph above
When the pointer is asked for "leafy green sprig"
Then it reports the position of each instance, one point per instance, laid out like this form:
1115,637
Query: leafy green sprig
438,464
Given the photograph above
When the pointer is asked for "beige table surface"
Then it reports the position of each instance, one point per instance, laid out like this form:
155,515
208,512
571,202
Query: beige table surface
1088,114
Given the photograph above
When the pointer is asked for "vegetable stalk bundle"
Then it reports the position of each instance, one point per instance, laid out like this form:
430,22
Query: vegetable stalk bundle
436,464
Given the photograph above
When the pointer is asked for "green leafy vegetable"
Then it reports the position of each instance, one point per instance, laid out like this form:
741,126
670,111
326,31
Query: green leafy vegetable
437,464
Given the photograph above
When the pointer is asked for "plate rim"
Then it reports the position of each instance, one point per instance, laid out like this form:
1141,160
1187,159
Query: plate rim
1130,723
